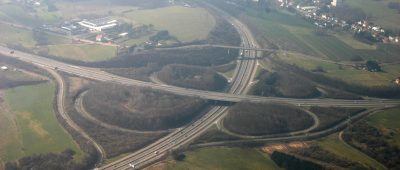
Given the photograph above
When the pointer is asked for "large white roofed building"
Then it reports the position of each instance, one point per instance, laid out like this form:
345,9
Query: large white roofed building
99,24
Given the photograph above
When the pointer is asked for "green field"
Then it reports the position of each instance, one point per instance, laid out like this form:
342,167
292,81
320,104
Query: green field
13,35
186,24
386,121
225,158
21,15
293,33
341,149
36,129
83,52
75,9
346,73
381,14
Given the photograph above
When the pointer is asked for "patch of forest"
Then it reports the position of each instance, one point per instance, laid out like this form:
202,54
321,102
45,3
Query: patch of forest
266,118
141,109
374,142
192,77
330,116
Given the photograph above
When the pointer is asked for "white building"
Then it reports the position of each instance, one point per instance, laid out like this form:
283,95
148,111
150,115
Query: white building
99,24
4,68
336,3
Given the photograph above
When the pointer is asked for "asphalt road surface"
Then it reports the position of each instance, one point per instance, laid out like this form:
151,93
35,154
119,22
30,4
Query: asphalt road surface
243,76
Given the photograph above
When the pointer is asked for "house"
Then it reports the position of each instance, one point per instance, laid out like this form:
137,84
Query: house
397,81
4,68
99,37
99,24
336,3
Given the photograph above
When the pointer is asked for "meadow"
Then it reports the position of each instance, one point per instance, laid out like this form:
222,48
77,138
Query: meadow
224,159
341,149
83,52
186,24
14,35
388,122
34,128
344,72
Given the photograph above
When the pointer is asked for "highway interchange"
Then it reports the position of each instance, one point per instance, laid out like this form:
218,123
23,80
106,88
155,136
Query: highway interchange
244,74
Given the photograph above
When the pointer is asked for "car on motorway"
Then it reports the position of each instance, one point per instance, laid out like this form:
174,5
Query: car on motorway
132,165
12,52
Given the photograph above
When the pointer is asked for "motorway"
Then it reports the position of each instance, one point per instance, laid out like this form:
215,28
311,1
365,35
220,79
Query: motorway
243,76
99,75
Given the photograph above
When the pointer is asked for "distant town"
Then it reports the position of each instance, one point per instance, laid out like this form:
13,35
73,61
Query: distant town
322,16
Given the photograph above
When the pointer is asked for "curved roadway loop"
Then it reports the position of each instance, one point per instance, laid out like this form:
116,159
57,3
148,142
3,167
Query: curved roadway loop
81,109
61,110
307,136
243,75
315,124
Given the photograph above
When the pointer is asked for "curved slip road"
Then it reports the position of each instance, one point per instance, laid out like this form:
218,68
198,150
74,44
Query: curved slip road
180,137
61,110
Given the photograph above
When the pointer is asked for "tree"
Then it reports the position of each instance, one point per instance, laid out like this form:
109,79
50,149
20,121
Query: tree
373,66
40,37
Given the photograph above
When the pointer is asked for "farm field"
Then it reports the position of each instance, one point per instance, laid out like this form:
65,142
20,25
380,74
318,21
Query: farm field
341,149
381,13
346,73
292,33
186,24
83,52
33,127
224,158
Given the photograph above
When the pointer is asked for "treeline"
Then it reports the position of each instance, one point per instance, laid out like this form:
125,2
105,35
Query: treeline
284,84
290,162
192,77
374,143
140,109
266,118
9,83
330,116
52,161
224,33
199,56
137,73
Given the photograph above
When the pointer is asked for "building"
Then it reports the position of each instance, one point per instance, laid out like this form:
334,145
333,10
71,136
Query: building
99,37
99,24
4,68
336,3
397,81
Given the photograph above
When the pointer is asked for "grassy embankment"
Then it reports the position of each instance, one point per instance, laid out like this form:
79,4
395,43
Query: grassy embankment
224,158
33,128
